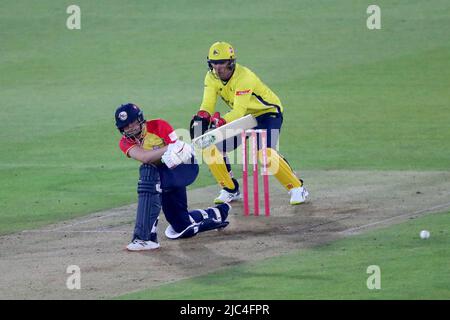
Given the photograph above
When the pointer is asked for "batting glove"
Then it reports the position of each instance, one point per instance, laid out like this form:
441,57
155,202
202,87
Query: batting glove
170,159
183,150
177,153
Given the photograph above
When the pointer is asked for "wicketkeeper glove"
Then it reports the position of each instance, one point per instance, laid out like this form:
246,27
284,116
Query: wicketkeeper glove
204,115
199,124
217,120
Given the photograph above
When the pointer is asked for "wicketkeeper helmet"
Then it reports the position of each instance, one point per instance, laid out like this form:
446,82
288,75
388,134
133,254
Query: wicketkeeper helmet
221,52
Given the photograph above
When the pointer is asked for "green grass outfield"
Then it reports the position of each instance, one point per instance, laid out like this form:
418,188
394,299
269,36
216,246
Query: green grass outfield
410,268
353,98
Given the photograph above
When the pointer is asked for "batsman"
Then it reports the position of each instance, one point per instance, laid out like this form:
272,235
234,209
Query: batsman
168,166
244,93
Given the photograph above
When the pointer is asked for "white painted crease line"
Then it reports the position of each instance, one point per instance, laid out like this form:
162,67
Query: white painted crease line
431,209
347,231
76,231
88,220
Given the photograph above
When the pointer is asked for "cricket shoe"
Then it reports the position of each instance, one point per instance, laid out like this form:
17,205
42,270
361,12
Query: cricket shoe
298,195
225,196
141,245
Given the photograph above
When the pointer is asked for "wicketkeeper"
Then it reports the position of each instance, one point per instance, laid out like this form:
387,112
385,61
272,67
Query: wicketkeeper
168,166
245,94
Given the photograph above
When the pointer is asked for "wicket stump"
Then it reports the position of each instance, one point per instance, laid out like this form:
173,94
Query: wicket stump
254,133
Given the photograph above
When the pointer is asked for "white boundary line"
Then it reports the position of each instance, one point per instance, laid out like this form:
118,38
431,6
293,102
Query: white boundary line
416,213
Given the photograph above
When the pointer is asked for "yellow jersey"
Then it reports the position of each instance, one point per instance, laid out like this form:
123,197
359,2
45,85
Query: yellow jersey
244,93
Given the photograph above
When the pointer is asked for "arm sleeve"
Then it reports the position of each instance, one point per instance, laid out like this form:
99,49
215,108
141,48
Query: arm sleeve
126,145
242,95
209,95
166,132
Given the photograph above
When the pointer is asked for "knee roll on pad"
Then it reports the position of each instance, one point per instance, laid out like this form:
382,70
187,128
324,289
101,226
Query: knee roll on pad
149,172
216,218
147,187
212,218
148,179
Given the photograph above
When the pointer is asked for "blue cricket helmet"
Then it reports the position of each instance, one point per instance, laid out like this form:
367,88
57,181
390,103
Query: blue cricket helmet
127,114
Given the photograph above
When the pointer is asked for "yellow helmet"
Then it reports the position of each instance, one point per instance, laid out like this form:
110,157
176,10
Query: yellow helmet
220,52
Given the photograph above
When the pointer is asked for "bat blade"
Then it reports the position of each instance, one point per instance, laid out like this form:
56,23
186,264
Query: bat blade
224,132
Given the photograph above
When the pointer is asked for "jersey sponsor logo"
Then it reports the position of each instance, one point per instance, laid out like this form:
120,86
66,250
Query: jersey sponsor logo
242,92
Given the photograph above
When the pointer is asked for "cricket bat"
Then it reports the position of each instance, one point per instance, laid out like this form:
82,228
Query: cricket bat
224,132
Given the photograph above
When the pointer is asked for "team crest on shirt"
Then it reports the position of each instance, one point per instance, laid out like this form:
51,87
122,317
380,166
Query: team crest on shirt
123,116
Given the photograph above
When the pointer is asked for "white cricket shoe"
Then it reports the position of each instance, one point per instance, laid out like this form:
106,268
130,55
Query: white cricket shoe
298,195
225,196
140,245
